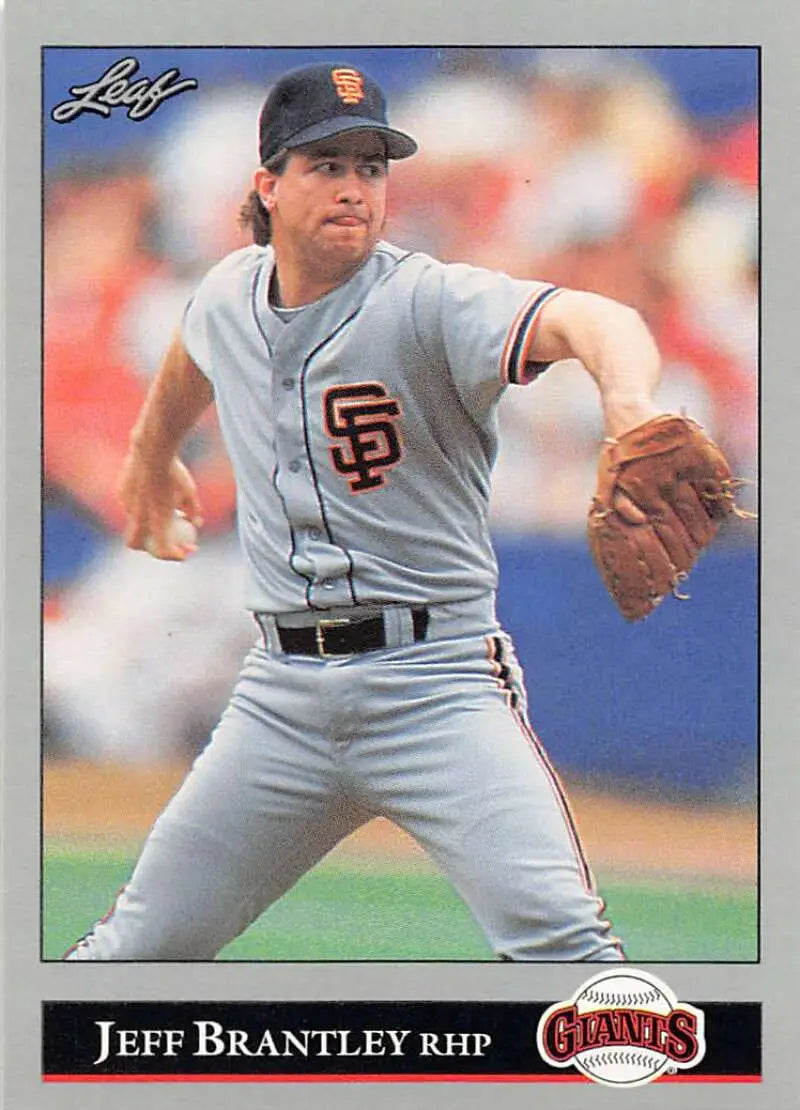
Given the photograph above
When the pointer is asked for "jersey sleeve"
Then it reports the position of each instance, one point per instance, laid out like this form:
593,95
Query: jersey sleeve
194,332
217,298
483,325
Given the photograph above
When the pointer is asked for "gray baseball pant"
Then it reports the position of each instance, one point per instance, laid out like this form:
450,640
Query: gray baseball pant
432,735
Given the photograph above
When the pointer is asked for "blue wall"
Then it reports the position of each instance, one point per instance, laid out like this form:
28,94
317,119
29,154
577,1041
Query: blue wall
666,705
669,704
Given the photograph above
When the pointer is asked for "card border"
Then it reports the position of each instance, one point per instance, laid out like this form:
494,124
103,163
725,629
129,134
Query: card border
27,980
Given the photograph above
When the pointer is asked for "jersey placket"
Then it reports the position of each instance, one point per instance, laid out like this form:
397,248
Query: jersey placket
325,566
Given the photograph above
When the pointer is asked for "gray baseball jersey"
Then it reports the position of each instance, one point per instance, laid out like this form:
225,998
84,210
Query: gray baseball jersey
363,456
362,433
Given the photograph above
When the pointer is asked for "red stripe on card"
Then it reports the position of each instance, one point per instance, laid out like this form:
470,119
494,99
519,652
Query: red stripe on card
227,1077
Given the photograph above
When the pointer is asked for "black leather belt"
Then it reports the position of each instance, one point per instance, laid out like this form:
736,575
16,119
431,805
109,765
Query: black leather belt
345,636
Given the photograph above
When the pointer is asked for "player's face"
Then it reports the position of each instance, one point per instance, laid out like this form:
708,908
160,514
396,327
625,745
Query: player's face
329,204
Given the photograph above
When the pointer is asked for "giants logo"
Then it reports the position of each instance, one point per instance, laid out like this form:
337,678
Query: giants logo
366,417
622,1028
349,85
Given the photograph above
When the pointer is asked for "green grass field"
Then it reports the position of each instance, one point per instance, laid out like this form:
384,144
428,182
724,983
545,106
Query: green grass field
351,910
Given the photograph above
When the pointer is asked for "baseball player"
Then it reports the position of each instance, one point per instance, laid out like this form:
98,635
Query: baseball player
356,385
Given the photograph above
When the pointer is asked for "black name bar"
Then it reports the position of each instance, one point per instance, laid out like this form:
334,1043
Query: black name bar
368,1040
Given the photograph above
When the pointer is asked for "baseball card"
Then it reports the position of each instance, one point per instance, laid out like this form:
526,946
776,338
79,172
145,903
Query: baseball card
398,665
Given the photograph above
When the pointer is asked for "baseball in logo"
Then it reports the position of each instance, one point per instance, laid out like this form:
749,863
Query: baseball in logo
622,1029
365,416
349,85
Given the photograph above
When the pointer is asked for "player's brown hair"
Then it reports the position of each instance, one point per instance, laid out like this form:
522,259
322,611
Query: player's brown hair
253,214
254,217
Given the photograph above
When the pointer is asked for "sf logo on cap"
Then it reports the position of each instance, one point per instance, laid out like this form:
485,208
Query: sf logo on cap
349,85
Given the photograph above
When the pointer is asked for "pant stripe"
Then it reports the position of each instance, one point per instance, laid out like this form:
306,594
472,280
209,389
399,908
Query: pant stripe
515,701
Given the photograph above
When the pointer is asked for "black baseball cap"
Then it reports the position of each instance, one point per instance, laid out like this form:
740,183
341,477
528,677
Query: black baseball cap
317,101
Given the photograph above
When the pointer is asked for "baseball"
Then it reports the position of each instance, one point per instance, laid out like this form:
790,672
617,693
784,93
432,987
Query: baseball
622,1029
181,531
623,1066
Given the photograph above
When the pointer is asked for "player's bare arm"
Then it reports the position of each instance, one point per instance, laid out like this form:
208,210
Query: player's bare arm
154,482
663,485
616,347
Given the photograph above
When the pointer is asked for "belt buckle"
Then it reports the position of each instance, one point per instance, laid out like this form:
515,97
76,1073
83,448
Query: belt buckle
319,632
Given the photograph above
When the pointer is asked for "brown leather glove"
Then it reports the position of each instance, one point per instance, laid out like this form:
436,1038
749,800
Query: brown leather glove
681,482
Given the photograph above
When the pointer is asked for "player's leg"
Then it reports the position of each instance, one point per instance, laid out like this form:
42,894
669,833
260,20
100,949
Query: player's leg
260,807
460,769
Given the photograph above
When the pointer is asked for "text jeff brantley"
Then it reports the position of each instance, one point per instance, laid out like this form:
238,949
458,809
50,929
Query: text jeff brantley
211,1038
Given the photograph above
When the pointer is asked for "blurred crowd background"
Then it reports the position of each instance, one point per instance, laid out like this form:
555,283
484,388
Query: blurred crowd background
629,172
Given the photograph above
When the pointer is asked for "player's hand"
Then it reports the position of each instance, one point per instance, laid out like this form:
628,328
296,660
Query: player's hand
151,493
621,414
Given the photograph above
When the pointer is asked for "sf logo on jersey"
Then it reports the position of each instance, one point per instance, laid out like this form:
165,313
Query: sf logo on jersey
366,417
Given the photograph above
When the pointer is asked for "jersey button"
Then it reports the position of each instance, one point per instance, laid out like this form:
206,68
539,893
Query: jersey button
294,465
288,383
314,533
